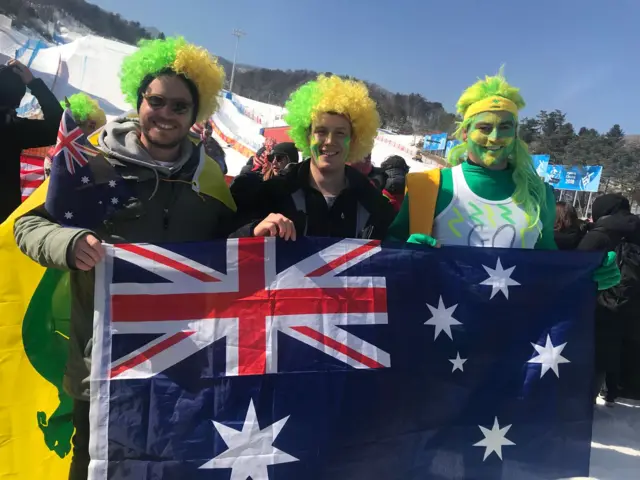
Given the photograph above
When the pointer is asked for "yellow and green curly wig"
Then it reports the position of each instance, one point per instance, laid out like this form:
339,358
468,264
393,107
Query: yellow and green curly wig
333,94
530,192
84,108
174,54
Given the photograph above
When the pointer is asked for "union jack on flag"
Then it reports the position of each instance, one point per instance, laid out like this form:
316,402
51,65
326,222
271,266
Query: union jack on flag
245,306
72,144
84,189
340,359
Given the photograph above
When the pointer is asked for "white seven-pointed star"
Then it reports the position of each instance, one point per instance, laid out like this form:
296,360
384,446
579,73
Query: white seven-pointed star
250,450
458,363
68,215
500,279
549,357
114,201
85,180
494,439
442,319
112,183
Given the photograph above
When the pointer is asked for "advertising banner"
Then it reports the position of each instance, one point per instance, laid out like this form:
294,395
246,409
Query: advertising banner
435,141
577,178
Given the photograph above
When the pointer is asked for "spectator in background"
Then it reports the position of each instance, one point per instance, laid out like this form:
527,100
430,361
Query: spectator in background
271,160
375,175
257,162
568,228
282,156
395,168
618,308
17,134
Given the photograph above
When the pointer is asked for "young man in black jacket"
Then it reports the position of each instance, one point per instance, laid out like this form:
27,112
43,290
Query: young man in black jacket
17,134
322,196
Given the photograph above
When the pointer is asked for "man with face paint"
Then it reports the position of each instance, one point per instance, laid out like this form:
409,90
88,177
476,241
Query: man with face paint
334,122
491,196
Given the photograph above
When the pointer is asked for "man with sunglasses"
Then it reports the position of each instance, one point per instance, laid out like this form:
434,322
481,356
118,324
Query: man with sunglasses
17,134
178,194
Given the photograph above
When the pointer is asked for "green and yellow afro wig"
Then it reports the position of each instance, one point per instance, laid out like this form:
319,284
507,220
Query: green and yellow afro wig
494,93
333,94
84,108
173,54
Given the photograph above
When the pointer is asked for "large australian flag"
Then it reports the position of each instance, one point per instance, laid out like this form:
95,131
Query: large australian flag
84,189
341,359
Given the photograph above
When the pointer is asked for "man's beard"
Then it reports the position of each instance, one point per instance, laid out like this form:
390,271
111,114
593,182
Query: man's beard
165,146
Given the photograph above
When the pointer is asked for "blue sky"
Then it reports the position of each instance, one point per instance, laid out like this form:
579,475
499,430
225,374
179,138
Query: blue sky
579,56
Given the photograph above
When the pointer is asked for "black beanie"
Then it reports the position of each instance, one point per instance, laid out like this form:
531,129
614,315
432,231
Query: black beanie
609,204
12,88
193,90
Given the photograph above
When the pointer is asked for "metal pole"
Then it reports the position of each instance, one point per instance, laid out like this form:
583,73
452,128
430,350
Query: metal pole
236,33
589,204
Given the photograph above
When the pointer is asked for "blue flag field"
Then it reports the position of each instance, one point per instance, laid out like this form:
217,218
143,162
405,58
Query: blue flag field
341,359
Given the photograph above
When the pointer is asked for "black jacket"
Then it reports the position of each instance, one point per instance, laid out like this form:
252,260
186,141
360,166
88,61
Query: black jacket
618,308
360,211
16,134
570,238
608,231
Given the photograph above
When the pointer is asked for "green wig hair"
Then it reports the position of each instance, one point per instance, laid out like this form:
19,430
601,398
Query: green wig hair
333,94
84,108
530,193
174,54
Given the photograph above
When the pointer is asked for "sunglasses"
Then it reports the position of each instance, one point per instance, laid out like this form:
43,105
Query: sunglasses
179,107
280,158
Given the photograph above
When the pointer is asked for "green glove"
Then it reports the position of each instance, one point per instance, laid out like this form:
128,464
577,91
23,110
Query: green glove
608,274
421,239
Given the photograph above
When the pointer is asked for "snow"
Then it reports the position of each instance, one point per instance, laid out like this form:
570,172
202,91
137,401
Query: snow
235,160
91,64
615,447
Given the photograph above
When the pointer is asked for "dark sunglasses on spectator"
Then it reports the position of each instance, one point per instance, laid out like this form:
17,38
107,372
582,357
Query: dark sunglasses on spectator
280,158
179,107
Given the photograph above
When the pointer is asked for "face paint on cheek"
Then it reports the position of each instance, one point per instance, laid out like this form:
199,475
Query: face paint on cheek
346,146
315,149
479,138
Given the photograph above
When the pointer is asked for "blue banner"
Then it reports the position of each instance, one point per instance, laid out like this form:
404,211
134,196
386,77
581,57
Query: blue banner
450,145
541,164
435,141
577,178
340,359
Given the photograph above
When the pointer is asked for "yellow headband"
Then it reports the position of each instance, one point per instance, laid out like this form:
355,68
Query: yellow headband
491,104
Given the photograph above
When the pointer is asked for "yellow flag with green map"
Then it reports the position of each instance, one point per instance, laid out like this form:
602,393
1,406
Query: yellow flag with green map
35,414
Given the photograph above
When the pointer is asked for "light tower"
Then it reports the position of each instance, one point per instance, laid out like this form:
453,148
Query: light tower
236,33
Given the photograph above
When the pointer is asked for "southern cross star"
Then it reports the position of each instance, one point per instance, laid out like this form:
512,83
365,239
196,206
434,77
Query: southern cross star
458,363
549,357
499,279
494,439
442,319
251,450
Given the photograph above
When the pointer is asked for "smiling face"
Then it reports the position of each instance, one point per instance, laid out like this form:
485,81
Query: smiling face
166,112
330,141
491,138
